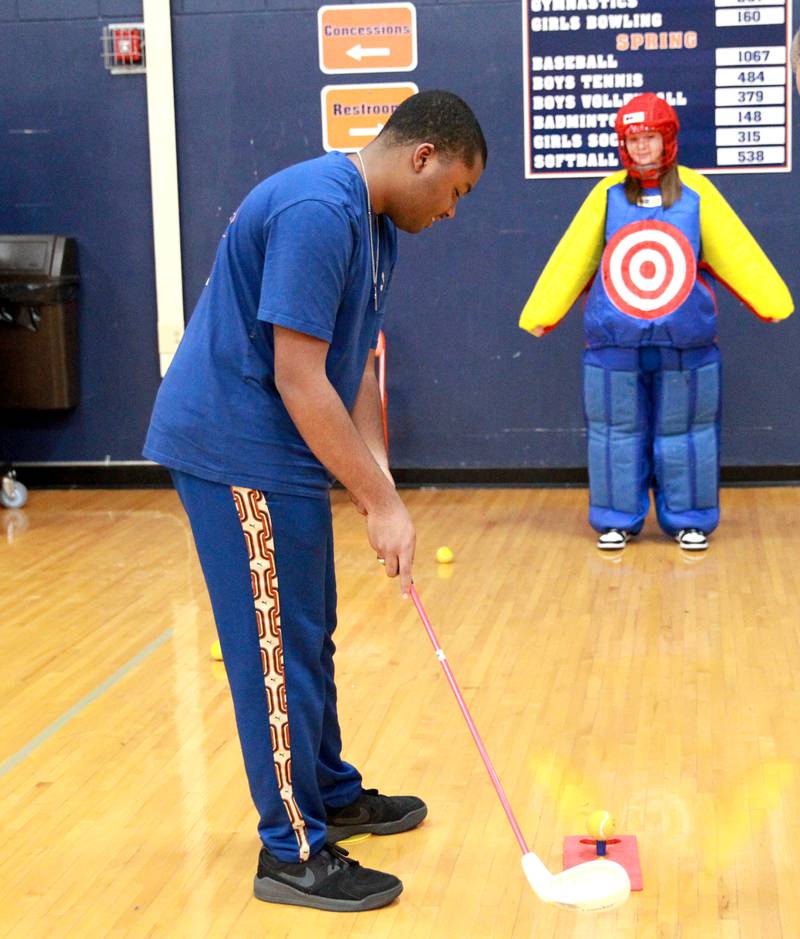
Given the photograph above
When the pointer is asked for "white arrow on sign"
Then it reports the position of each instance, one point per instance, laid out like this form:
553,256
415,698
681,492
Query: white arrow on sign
358,52
365,131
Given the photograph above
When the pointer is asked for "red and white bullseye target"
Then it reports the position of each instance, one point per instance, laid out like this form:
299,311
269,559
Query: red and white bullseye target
649,269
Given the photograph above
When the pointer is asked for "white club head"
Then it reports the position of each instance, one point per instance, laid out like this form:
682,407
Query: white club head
590,887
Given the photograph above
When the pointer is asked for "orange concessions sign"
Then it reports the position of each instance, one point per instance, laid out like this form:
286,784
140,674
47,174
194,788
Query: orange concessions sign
353,115
367,37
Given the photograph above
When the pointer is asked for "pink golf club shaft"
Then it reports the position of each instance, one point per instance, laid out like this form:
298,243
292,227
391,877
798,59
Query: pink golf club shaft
468,718
380,355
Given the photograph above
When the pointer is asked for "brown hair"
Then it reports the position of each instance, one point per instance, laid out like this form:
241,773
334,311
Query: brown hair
670,184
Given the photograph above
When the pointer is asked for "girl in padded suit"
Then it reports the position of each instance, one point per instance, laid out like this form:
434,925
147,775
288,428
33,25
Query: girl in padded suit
645,245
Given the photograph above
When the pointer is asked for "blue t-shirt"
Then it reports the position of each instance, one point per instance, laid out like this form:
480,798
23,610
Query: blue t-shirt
296,254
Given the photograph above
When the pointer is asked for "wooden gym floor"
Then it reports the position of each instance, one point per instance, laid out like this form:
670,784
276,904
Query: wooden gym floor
656,685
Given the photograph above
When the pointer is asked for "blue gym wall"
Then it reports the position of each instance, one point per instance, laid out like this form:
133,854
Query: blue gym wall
467,388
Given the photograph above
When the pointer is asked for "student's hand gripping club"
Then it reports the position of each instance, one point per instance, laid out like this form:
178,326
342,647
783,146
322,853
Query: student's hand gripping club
391,533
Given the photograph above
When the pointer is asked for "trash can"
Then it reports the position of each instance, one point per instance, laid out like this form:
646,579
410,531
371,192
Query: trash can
38,322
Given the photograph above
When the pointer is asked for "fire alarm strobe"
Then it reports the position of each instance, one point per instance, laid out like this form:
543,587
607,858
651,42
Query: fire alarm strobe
123,48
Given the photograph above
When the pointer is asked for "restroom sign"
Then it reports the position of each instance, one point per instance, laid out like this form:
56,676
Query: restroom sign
354,115
367,37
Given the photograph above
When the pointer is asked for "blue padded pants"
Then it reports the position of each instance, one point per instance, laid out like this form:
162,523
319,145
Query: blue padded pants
268,564
652,418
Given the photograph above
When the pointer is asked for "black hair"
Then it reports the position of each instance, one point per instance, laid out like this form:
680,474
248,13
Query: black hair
441,118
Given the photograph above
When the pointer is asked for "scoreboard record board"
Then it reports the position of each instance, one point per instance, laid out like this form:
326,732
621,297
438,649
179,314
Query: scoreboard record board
722,64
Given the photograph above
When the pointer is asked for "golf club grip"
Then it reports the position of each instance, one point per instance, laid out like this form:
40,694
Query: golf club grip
468,718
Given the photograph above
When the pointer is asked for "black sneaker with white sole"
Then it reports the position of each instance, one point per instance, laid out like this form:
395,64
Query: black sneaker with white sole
377,814
331,880
692,539
613,539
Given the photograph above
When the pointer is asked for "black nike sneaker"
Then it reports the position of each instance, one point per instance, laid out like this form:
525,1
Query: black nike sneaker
377,814
331,880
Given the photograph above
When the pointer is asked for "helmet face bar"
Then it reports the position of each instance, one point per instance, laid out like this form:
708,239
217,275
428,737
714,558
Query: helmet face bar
644,113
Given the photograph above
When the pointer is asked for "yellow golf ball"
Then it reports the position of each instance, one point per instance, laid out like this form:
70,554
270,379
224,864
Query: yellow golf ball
216,651
444,555
600,825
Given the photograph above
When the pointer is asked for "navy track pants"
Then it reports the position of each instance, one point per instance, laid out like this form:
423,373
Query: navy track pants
267,559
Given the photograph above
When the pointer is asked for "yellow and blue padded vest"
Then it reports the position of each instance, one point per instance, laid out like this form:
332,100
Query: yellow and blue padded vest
644,265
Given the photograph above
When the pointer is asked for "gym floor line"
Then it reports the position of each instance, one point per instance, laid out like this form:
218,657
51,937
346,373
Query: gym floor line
16,758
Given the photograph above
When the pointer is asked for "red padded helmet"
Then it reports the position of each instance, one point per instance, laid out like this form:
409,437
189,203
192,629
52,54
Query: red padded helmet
642,113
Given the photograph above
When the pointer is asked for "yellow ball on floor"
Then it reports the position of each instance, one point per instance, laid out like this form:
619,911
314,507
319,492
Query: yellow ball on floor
600,825
216,651
444,555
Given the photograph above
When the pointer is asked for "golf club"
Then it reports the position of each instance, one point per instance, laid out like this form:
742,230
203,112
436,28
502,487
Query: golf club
590,887
380,358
